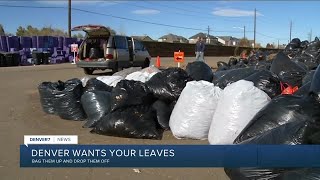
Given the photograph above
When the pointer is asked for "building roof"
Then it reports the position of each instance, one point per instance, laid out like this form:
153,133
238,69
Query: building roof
228,38
143,38
173,37
202,35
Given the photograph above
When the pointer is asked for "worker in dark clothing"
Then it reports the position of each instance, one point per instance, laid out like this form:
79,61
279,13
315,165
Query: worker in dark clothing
200,46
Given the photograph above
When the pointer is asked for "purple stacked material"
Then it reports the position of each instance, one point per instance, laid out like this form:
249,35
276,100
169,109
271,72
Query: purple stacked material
58,56
25,55
13,42
25,42
34,41
68,41
13,50
41,42
55,42
60,42
46,41
3,44
37,42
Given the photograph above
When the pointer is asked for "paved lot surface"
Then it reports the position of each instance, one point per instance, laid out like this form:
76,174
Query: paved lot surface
21,114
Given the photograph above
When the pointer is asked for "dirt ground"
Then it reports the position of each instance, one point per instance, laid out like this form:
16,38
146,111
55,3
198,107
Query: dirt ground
21,114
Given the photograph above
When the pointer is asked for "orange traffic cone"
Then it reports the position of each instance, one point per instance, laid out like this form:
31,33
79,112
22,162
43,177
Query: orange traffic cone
158,62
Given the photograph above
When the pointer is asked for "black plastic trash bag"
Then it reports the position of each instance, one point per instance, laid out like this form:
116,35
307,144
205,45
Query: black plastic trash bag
240,64
199,70
301,62
232,61
293,78
129,93
232,76
222,66
303,130
304,44
313,49
315,83
47,92
94,84
304,90
301,173
308,77
267,82
221,63
163,112
96,104
273,174
172,105
281,110
168,84
282,63
217,75
306,62
131,122
67,102
263,65
244,60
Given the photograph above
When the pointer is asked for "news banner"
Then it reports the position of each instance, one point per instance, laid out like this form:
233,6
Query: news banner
64,151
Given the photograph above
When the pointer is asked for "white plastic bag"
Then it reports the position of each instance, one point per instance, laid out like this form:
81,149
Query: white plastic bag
125,72
138,76
238,103
192,115
150,70
84,80
110,80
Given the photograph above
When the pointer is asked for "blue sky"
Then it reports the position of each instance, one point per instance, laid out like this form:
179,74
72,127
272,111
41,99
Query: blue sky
225,18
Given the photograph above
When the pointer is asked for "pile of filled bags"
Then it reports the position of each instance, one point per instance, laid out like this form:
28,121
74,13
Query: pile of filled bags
245,101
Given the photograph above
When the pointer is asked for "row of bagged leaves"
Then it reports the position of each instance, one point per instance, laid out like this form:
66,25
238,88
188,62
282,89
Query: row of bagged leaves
238,104
287,119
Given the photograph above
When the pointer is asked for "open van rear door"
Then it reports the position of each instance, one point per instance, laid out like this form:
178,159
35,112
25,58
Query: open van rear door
93,30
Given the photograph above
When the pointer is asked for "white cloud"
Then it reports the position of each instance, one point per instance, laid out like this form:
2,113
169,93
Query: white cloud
146,11
229,12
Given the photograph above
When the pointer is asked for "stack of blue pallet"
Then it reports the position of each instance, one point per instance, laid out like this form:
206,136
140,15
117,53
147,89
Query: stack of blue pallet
58,49
25,50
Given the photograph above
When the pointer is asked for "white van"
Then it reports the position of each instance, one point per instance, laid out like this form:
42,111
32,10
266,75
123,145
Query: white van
101,50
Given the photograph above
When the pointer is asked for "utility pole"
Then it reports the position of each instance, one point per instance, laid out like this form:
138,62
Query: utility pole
208,38
244,32
278,43
255,19
69,18
290,29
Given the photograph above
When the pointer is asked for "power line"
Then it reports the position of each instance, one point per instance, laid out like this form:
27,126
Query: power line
113,16
124,18
136,20
103,14
271,37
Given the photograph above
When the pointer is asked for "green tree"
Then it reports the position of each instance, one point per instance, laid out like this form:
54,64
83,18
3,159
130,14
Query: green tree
1,30
45,31
21,31
244,42
270,46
